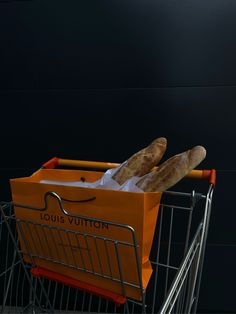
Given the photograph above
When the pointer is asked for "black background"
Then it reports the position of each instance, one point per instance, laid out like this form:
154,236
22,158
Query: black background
98,80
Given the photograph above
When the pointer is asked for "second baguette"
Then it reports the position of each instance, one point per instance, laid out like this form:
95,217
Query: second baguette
172,170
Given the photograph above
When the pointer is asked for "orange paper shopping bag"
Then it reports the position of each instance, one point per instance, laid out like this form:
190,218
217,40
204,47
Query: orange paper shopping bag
99,236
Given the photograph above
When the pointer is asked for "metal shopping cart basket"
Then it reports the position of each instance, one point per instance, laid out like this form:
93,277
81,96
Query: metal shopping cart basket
176,256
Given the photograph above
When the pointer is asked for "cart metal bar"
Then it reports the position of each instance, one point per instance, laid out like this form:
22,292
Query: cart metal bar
157,259
193,202
16,249
207,215
65,212
164,265
169,250
181,275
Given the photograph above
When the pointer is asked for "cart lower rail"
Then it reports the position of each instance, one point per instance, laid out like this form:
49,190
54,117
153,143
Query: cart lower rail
176,257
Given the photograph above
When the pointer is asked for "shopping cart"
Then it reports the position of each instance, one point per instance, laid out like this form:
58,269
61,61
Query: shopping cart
177,256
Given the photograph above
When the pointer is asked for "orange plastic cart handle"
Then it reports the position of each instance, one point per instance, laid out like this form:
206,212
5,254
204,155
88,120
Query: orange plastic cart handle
209,175
54,162
51,164
87,164
74,283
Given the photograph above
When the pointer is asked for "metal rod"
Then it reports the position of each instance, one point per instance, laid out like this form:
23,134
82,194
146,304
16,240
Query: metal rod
157,259
203,243
181,274
168,250
16,249
119,268
181,299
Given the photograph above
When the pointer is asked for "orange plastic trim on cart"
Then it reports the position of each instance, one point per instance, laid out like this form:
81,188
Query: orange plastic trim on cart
74,283
209,175
51,164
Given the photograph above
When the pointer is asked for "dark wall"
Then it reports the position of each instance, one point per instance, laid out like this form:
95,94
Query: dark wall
99,80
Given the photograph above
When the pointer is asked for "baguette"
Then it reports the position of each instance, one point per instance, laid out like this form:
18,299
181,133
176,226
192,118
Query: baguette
172,170
142,162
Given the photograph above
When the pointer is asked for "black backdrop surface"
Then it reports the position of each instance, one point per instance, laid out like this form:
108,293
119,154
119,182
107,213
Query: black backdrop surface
99,80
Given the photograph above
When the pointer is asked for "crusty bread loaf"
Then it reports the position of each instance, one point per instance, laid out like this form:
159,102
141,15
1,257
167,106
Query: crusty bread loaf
172,170
142,162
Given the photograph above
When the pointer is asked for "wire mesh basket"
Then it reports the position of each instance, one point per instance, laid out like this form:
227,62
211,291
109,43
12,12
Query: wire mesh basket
176,257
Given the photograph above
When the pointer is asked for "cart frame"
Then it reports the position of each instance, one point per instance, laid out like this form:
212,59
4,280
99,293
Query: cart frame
179,281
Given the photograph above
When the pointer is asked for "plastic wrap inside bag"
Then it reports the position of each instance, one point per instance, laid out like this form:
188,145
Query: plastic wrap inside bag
130,185
105,182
